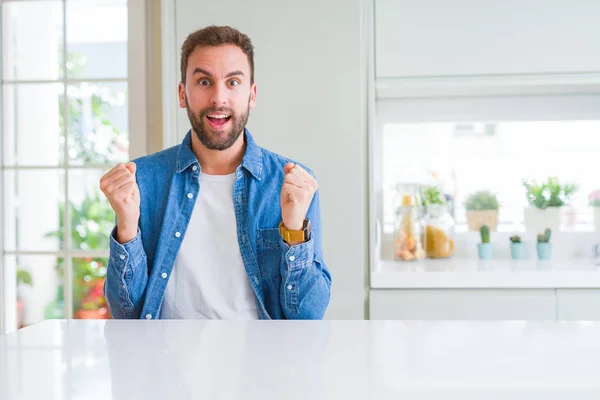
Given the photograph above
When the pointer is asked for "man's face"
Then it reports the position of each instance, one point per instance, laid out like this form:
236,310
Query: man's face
218,94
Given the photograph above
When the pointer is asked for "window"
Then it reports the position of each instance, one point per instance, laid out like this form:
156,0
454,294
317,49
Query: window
65,121
464,144
462,158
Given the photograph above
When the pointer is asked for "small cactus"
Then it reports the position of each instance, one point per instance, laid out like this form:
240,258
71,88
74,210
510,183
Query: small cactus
515,239
544,237
485,234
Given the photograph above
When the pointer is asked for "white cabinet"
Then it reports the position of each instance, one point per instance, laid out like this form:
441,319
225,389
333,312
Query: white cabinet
578,304
465,304
486,37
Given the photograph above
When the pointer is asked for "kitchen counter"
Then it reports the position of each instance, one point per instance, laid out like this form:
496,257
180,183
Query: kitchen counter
457,273
301,360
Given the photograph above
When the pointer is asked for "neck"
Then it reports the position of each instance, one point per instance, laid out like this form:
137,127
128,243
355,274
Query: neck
219,162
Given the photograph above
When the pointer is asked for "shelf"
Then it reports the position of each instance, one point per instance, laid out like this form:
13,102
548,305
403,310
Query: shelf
457,273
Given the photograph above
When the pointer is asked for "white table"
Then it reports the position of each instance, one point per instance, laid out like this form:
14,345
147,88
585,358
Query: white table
301,360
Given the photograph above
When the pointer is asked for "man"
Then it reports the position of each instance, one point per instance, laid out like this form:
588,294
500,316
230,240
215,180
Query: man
216,227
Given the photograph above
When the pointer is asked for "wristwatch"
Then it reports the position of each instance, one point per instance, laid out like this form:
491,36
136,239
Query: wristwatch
301,235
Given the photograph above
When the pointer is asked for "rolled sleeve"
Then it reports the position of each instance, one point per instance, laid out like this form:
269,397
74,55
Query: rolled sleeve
299,256
126,254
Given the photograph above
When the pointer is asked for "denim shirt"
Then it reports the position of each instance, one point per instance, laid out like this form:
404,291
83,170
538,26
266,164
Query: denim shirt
289,282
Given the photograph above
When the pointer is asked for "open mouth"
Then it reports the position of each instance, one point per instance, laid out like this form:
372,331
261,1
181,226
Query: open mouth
218,121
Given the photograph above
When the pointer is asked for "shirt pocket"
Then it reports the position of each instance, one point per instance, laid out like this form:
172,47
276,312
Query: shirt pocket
269,250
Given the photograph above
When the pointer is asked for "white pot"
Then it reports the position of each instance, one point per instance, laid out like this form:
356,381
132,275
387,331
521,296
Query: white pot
597,219
537,220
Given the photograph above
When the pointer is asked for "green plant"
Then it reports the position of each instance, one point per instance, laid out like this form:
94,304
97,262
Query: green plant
544,237
515,239
92,137
92,221
482,200
485,234
23,277
550,193
432,195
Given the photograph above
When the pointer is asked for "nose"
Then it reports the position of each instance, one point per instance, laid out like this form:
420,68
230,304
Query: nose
219,96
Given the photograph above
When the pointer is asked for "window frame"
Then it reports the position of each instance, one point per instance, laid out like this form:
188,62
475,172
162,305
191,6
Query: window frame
137,82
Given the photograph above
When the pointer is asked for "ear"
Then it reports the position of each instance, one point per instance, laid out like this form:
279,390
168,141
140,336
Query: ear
181,94
252,101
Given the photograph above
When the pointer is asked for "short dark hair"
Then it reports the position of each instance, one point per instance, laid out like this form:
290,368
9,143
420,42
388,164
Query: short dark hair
216,36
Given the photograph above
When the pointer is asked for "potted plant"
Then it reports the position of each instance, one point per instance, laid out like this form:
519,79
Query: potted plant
594,202
543,246
484,249
23,278
482,209
93,304
517,248
92,221
545,201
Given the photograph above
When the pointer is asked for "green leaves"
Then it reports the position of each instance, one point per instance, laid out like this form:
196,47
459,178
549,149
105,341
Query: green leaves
433,195
548,194
23,277
485,234
482,200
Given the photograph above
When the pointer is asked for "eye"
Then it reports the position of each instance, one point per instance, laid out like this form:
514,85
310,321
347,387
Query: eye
234,82
203,82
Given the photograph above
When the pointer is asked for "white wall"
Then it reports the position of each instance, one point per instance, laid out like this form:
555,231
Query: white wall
311,106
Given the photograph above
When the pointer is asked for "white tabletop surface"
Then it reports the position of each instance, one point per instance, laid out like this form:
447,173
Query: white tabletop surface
301,360
458,273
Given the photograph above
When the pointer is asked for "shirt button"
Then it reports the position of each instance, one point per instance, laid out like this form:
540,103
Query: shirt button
194,168
289,287
122,257
148,316
164,275
190,195
292,258
177,234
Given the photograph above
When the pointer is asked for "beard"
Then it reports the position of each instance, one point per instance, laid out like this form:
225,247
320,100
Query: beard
217,140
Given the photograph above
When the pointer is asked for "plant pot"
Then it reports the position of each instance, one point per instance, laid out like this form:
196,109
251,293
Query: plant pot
484,250
477,218
537,219
518,251
544,250
596,219
20,307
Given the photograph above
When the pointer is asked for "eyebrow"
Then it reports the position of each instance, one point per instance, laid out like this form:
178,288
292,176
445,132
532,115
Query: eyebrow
201,71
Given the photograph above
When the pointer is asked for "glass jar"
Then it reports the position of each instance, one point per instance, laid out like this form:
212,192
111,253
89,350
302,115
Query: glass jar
439,231
408,235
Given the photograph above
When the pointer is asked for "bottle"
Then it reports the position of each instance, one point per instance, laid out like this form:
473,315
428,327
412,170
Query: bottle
408,234
439,231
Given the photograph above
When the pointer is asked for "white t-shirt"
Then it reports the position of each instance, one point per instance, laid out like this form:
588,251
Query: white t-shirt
208,280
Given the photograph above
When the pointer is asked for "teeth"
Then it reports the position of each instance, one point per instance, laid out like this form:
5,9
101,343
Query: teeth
219,116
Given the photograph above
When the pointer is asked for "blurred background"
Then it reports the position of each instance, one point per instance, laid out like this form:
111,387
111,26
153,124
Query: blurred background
455,114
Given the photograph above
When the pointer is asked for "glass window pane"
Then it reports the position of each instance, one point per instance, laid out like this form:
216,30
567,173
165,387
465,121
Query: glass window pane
92,217
39,288
32,212
98,123
32,124
463,158
89,274
32,40
93,49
